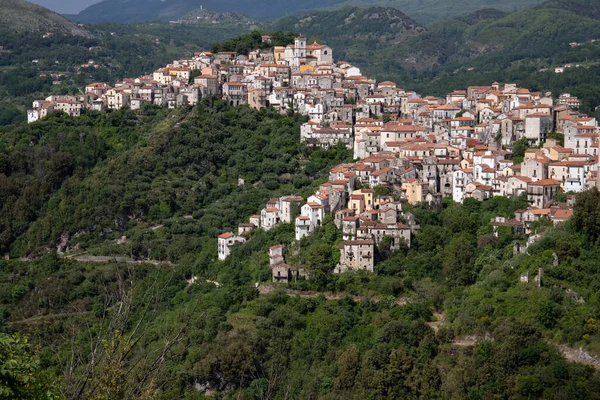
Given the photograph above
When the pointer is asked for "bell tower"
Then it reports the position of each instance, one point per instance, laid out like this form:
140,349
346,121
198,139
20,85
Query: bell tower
300,48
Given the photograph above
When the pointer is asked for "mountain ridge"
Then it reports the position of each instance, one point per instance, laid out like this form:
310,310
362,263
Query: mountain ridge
426,11
19,16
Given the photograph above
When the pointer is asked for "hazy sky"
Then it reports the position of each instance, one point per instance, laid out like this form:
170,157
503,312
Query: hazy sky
65,6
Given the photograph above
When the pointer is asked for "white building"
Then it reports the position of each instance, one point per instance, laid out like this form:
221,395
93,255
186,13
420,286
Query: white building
269,217
225,243
460,179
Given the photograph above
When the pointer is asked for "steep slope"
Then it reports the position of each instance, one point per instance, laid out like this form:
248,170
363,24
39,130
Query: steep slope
424,11
163,185
19,16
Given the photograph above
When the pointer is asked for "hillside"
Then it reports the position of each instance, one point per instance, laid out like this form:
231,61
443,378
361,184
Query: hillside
447,318
586,8
514,47
458,314
459,39
23,17
356,34
426,11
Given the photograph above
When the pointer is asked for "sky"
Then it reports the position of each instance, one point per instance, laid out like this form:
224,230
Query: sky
65,6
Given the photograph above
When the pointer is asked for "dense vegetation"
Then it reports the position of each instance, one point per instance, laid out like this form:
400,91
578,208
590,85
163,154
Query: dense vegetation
116,173
23,16
251,41
229,339
167,180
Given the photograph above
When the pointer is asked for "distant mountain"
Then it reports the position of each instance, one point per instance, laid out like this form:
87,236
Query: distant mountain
19,16
586,8
203,16
485,14
125,11
423,11
355,33
541,32
439,57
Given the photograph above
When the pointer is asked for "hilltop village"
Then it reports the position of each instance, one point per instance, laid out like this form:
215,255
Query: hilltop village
419,150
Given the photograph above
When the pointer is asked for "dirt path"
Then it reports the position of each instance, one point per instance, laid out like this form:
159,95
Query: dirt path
464,341
269,289
579,356
104,260
114,259
38,318
439,319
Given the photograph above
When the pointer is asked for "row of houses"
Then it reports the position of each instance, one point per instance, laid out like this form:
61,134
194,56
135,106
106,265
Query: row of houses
260,78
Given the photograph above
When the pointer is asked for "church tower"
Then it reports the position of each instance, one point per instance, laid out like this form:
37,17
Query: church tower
300,48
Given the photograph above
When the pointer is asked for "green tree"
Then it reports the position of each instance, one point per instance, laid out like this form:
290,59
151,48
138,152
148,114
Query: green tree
549,313
586,212
381,190
20,373
319,261
459,259
518,150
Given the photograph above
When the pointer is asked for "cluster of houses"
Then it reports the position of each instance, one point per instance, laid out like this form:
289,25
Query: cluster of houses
262,78
364,219
421,149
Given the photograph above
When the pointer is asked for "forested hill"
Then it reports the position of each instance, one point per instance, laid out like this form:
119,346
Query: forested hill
448,318
424,11
74,182
395,40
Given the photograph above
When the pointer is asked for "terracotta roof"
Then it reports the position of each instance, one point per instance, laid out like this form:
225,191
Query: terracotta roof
545,182
358,242
563,214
